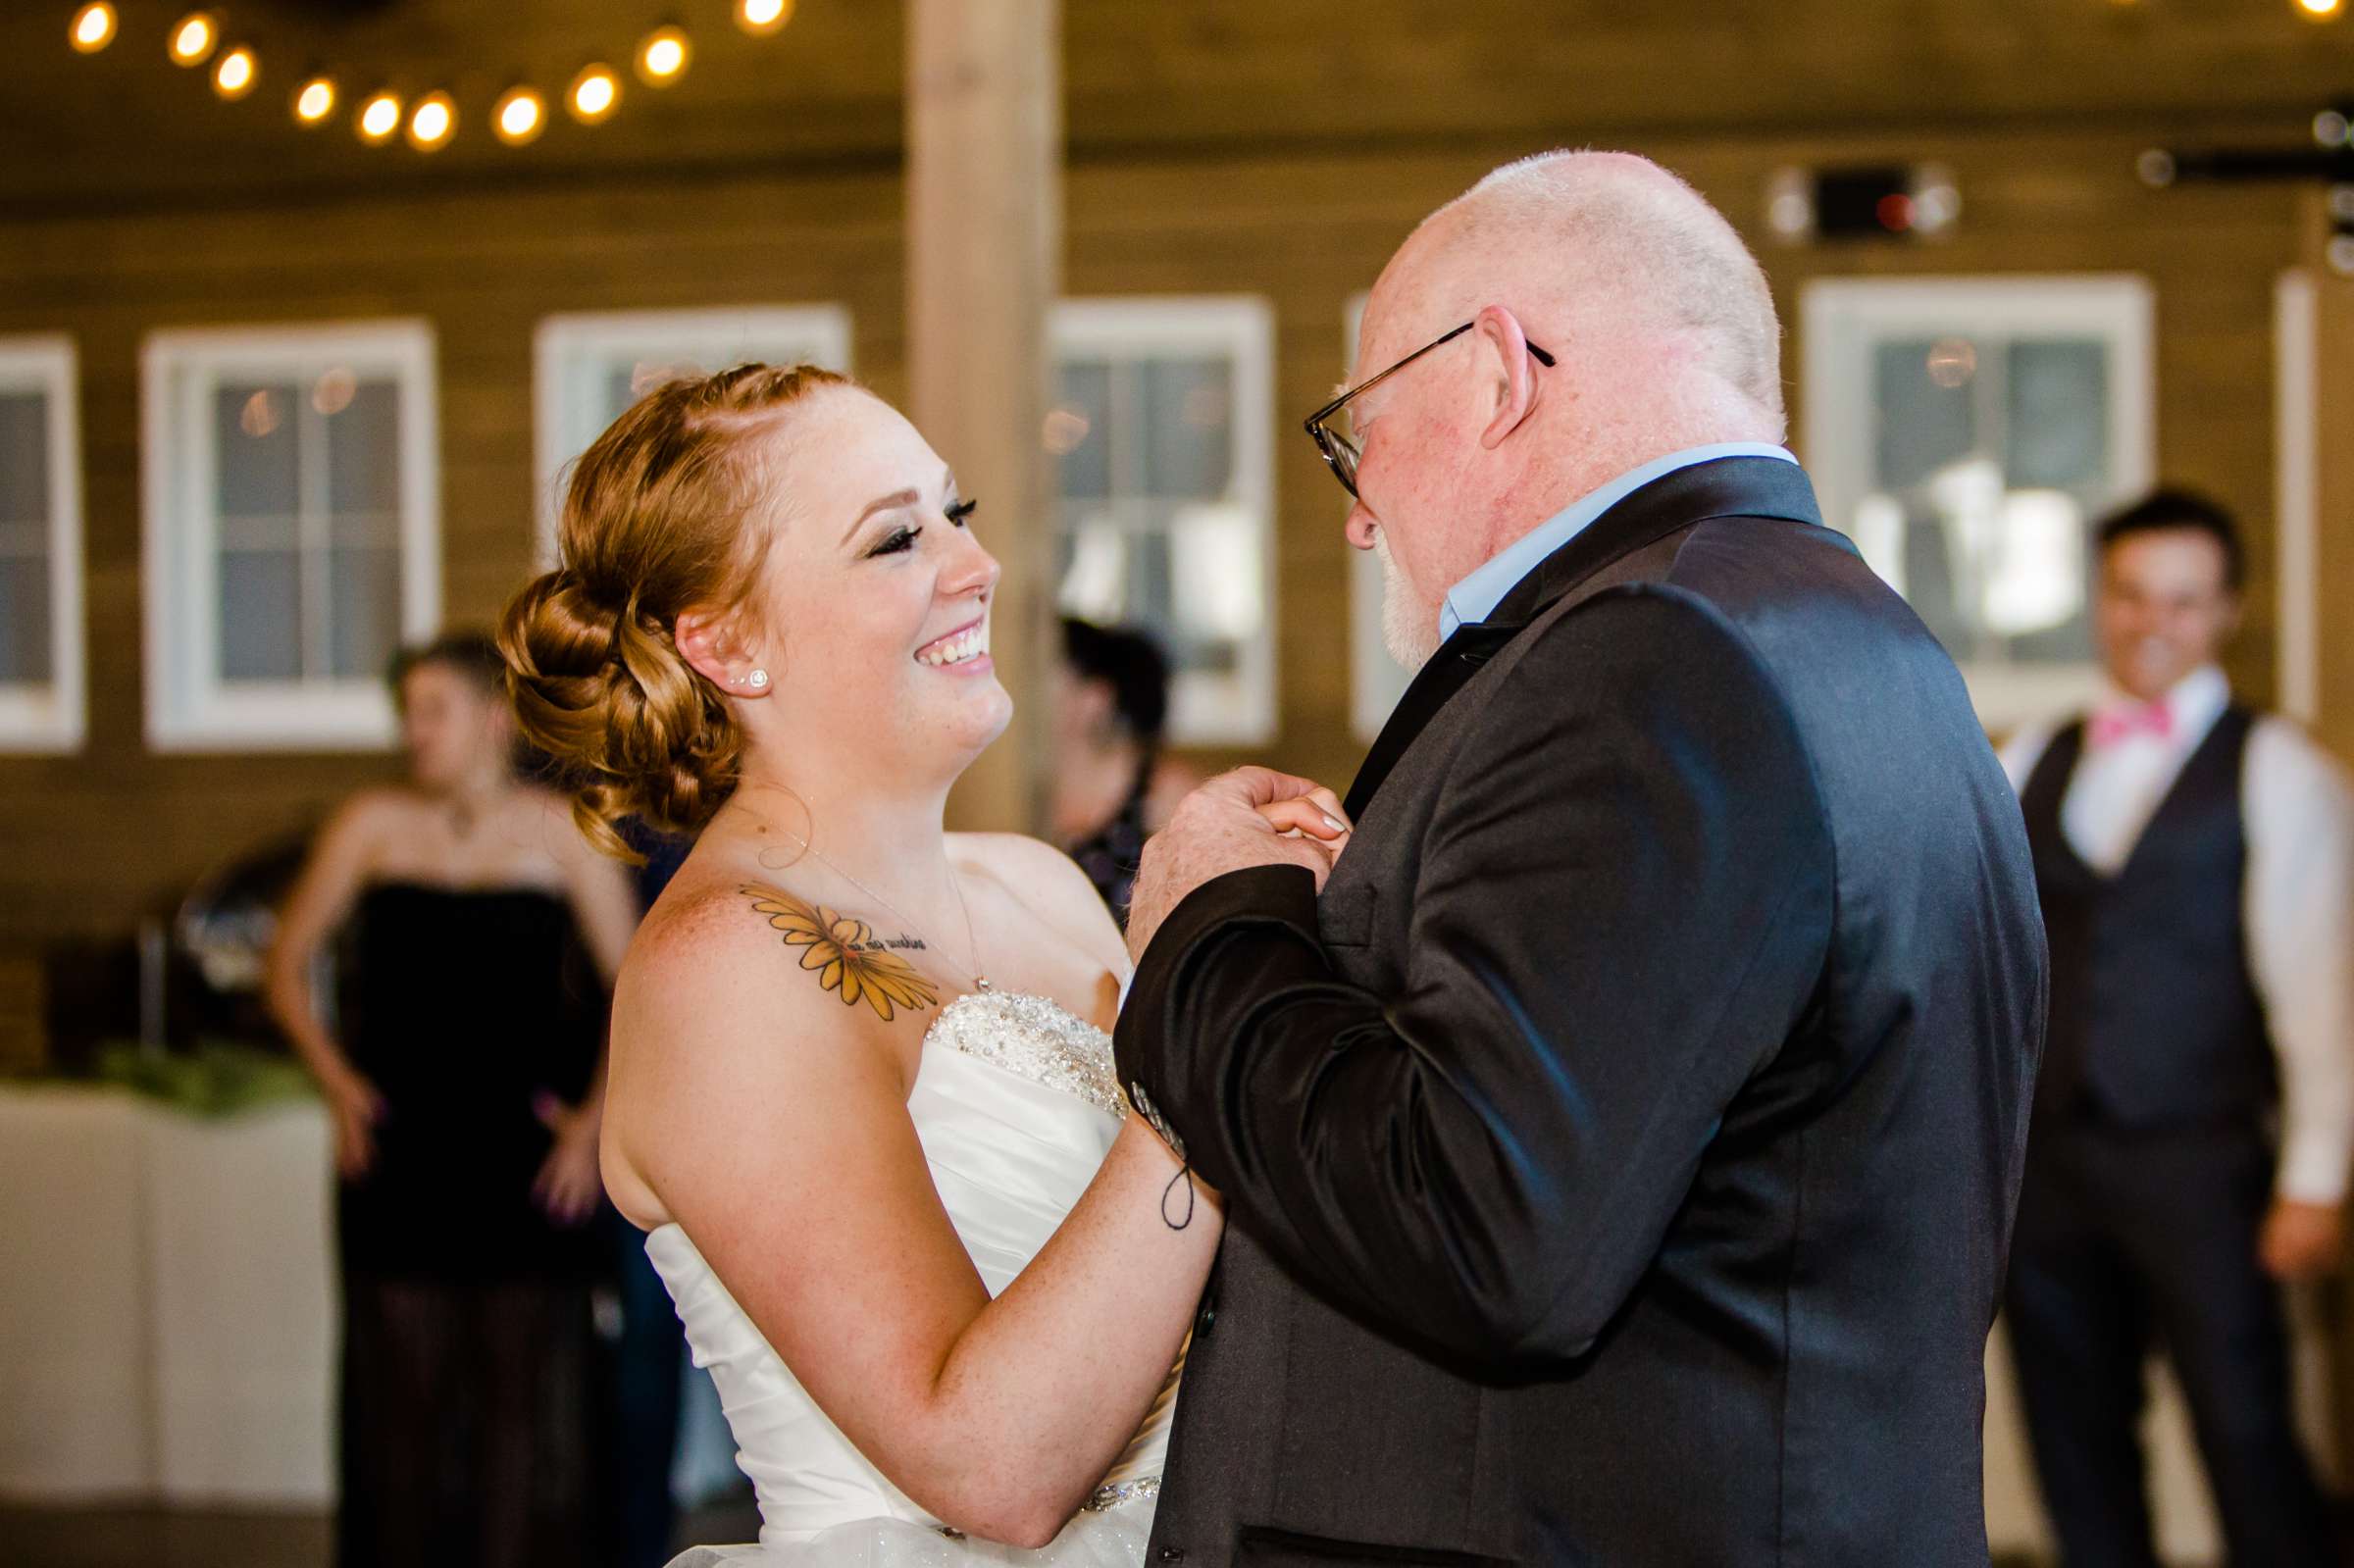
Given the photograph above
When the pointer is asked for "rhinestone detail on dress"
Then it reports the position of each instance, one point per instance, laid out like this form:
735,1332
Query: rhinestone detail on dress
1036,1039
1119,1493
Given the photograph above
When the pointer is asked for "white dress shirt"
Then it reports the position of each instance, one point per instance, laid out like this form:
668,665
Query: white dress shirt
1475,597
2298,904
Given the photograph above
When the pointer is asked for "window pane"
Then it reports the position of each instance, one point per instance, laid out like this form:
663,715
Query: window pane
2059,414
1926,414
364,610
261,615
25,622
1079,429
363,451
23,458
254,430
1188,418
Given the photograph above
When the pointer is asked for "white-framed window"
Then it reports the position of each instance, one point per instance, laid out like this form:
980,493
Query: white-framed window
293,540
1968,432
590,365
41,679
1376,680
1163,432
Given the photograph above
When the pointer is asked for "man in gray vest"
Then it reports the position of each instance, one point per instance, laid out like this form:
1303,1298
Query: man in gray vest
2195,1113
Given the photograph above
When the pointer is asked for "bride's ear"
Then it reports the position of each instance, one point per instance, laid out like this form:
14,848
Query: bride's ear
705,641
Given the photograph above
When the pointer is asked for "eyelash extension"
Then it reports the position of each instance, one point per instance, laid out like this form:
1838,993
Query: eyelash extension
962,512
904,539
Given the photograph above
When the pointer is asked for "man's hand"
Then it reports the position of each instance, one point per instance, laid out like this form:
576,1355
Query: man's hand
1250,817
2302,1241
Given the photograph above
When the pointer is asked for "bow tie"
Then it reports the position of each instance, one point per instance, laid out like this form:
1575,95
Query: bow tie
2113,725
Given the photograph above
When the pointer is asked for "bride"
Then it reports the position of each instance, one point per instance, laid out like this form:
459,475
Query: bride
861,1097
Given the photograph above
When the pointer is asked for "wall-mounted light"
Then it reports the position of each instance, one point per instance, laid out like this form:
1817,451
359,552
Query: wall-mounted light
432,123
195,37
2322,10
519,115
93,28
315,100
760,18
662,56
379,120
235,73
595,94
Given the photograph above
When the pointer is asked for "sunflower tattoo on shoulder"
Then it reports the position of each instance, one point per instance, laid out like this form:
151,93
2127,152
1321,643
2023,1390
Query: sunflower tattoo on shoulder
845,954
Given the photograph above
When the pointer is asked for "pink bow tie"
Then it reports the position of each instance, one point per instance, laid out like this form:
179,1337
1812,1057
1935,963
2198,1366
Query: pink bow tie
2112,724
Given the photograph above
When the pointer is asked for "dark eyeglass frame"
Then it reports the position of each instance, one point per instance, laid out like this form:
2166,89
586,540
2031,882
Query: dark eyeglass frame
1339,452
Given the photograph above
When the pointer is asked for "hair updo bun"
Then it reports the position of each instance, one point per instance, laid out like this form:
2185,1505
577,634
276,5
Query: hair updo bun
664,513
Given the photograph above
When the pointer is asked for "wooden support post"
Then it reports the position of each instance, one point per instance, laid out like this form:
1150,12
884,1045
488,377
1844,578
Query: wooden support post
2332,483
984,266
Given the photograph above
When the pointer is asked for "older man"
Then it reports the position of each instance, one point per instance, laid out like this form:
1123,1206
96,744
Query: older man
1620,1138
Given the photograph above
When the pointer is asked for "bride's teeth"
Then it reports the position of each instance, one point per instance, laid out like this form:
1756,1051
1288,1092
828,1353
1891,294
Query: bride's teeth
971,645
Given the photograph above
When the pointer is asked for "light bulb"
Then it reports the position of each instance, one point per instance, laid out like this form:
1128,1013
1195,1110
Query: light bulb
662,56
760,18
380,118
195,37
315,100
594,93
520,116
93,28
235,72
433,122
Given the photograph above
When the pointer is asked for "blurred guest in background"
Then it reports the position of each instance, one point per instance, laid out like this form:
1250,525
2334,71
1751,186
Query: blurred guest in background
464,1089
1113,788
2195,1113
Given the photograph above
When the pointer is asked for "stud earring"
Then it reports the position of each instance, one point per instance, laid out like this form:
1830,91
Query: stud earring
756,679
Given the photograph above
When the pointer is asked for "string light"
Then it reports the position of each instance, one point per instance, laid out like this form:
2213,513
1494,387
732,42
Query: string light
662,56
432,123
594,93
234,74
519,115
315,100
760,18
195,37
380,118
93,28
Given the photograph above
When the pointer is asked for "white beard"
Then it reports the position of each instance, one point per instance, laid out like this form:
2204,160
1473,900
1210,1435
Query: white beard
1409,630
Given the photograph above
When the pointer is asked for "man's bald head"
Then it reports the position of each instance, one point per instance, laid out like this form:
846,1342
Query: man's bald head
1612,245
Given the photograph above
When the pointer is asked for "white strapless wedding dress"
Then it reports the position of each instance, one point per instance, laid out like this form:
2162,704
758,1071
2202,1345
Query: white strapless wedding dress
1016,1103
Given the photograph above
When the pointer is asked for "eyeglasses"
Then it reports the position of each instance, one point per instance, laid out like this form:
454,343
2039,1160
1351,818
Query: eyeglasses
1338,450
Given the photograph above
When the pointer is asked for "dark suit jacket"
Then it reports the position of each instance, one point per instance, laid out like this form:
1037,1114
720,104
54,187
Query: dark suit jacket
1620,1153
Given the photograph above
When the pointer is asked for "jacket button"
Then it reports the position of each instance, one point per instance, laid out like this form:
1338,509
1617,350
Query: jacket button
1172,1554
1204,1318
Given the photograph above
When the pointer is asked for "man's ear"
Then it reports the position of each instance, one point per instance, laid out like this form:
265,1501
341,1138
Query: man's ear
1507,374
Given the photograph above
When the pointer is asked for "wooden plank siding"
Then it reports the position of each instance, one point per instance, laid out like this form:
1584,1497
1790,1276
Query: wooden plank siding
93,840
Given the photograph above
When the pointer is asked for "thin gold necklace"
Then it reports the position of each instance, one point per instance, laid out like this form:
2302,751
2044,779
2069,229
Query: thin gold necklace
971,941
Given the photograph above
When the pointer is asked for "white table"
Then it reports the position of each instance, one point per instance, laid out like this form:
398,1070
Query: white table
166,1303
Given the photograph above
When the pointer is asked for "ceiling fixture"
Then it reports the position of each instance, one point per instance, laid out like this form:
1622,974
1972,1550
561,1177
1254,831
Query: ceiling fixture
234,74
2321,10
760,18
594,93
380,118
195,37
662,56
93,28
520,116
432,123
315,100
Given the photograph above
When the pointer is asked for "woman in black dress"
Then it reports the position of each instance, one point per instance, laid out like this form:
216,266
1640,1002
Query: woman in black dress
463,1079
1113,785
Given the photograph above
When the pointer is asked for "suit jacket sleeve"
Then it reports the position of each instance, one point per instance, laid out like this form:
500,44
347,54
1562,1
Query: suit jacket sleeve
1622,909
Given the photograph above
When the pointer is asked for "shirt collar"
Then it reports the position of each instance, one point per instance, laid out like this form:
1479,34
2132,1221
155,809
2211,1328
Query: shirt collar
2193,703
1476,596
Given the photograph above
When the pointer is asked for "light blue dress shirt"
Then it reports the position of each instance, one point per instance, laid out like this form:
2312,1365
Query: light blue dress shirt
1475,597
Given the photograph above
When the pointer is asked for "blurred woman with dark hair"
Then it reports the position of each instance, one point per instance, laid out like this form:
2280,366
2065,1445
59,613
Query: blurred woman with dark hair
464,1082
1114,788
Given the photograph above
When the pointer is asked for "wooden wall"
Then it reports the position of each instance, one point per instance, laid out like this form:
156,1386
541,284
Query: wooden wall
91,842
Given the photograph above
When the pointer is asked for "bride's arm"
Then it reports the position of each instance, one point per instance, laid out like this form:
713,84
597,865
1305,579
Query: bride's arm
770,1119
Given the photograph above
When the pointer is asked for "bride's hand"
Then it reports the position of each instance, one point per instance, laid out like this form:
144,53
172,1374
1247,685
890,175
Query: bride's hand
1316,817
